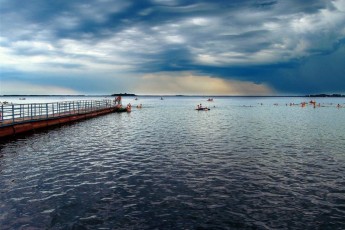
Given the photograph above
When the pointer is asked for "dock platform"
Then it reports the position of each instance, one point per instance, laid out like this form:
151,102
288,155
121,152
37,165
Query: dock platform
21,118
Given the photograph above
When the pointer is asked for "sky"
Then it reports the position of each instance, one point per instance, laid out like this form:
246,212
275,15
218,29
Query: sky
160,47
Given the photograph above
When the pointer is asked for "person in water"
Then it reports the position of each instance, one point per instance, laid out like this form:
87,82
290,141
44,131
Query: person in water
118,100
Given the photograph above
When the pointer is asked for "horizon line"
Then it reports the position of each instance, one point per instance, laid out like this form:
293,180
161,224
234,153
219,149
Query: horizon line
170,95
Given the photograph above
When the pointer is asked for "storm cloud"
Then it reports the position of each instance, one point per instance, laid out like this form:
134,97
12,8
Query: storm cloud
103,46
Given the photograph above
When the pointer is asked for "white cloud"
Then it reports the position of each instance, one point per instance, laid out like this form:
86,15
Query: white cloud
38,46
339,5
68,56
99,12
174,39
199,21
166,2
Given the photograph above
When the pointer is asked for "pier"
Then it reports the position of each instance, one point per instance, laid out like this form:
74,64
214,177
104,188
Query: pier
20,118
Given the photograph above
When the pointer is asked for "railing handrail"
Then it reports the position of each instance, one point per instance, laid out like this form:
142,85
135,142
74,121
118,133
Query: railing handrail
17,113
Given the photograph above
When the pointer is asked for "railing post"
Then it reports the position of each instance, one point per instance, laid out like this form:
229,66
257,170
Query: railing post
13,113
22,112
47,110
2,113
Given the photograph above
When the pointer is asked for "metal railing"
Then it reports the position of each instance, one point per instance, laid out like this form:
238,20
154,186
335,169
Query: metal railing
18,113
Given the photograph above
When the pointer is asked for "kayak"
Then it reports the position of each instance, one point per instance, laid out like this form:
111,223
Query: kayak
202,109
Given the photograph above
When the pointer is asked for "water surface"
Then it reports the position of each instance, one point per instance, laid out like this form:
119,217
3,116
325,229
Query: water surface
245,164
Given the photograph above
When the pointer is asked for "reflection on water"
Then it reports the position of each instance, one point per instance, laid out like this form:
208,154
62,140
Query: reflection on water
167,166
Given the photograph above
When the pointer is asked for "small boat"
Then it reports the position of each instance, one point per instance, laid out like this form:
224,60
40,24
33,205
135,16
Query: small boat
202,109
22,98
210,99
121,109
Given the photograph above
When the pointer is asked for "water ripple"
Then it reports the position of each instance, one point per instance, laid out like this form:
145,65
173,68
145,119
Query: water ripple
168,167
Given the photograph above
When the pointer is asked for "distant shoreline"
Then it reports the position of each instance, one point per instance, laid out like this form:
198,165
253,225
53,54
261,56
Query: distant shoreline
325,95
162,95
124,94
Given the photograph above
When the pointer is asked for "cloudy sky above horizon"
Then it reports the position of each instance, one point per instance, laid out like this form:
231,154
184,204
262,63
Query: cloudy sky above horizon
238,47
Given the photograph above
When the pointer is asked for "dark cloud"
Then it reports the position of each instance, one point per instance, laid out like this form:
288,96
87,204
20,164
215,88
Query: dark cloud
293,46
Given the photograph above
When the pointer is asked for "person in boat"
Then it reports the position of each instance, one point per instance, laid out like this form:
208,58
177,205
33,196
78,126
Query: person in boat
129,107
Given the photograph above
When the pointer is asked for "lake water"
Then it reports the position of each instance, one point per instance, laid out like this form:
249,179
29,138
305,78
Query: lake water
248,163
